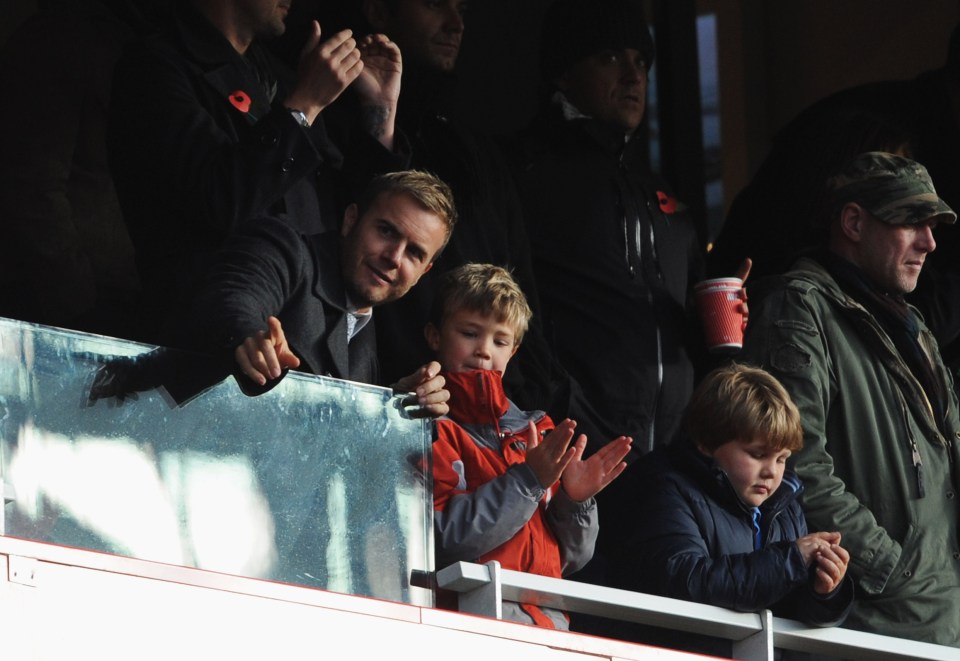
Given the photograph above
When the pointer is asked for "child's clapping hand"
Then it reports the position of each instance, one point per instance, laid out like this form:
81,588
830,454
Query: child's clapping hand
583,479
548,458
552,459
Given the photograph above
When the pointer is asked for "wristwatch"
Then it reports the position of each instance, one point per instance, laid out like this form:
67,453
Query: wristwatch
300,116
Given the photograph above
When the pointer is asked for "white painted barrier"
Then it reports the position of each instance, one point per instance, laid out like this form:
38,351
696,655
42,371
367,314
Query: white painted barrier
482,588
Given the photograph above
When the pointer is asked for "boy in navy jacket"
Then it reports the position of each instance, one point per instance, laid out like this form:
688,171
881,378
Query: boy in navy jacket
720,520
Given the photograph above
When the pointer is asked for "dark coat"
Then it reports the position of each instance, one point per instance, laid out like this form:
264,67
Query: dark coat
269,268
66,258
619,321
616,313
695,540
878,464
199,143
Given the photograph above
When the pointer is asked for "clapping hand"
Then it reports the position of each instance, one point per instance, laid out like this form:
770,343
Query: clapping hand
548,457
583,479
326,69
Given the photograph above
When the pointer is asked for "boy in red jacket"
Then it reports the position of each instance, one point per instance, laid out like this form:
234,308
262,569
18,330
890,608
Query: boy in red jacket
508,485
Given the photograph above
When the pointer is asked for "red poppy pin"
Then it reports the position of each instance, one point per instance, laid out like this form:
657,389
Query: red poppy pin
240,100
667,204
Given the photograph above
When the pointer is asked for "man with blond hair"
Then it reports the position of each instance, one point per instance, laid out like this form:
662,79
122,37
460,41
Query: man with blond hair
277,299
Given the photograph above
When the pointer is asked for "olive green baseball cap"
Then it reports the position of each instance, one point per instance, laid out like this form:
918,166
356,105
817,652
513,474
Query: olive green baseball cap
893,188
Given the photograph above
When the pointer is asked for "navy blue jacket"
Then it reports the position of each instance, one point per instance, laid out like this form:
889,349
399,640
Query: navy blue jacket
695,540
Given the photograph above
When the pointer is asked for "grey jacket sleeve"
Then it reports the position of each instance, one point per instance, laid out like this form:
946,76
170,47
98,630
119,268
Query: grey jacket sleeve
576,526
472,524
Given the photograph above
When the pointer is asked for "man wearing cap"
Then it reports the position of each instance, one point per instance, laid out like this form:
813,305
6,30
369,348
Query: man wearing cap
878,408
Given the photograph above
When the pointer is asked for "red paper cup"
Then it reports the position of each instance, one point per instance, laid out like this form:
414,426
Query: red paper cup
721,310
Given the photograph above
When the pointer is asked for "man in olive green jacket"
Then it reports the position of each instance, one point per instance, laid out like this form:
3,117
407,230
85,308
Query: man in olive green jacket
881,426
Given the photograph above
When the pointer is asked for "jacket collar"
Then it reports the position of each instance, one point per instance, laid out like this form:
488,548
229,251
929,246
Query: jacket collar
715,483
564,116
807,274
329,288
476,397
479,405
224,69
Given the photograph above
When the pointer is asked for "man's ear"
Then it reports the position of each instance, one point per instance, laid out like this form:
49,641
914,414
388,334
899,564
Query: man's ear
432,335
377,14
852,218
349,219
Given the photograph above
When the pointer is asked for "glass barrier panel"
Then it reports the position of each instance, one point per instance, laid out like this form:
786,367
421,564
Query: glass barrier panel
145,452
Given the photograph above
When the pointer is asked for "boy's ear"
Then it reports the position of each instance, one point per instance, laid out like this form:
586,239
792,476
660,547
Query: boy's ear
704,450
432,335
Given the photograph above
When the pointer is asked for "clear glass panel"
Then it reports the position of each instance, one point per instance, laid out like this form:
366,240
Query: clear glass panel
131,450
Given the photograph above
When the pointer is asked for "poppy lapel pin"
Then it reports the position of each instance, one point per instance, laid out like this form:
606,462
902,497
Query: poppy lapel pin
240,100
667,204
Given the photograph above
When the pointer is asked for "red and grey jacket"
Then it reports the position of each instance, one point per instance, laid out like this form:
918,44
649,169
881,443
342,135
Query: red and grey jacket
488,503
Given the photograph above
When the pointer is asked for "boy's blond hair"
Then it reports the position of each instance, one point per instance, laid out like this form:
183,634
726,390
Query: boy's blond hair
744,403
483,288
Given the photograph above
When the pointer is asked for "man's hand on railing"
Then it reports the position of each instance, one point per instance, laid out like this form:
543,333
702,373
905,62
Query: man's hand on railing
264,356
429,393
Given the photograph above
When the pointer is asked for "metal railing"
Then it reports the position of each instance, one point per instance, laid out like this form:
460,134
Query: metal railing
483,588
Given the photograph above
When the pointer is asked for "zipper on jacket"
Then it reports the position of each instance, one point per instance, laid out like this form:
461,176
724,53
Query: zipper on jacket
626,223
914,449
626,193
626,243
918,467
651,437
900,370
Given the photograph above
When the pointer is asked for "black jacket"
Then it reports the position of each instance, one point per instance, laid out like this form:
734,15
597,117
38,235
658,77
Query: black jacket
269,268
200,143
615,306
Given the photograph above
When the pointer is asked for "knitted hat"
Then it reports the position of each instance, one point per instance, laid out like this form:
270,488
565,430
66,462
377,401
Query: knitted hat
575,29
894,189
